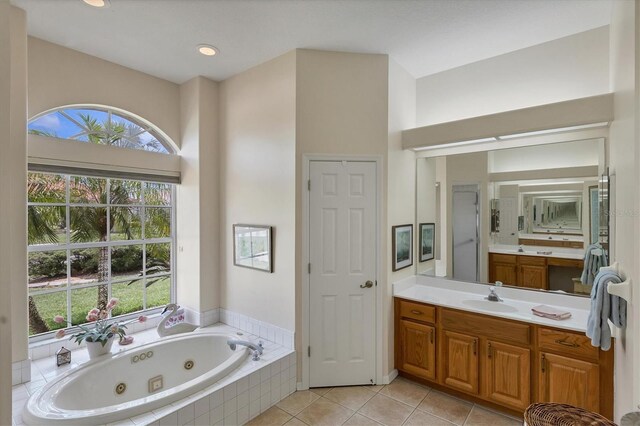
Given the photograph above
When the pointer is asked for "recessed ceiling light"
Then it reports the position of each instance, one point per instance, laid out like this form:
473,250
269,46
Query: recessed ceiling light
97,3
207,50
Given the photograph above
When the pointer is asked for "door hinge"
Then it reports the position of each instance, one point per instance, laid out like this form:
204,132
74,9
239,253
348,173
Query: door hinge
309,185
376,283
309,351
309,268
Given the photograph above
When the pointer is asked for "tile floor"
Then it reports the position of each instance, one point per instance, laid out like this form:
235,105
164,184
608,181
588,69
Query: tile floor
400,403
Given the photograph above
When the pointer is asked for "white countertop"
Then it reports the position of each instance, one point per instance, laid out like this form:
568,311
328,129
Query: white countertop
552,237
559,252
458,294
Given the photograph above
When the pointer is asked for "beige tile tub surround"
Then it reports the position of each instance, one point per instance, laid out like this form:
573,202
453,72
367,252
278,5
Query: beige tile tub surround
400,403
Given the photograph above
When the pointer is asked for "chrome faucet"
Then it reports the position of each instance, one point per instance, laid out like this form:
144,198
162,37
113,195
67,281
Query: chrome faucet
493,296
256,349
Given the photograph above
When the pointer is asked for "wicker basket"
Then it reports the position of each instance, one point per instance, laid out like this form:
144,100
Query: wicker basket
552,414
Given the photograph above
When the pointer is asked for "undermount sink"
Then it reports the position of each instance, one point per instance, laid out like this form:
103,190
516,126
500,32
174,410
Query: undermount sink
489,306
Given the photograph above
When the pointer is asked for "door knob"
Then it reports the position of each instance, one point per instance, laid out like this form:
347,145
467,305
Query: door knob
368,284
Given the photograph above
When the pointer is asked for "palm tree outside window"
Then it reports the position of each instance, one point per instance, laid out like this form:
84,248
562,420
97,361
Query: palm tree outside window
92,238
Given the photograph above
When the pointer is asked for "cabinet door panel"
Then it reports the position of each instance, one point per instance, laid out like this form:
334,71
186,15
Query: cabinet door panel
461,361
569,381
508,375
533,276
505,273
418,349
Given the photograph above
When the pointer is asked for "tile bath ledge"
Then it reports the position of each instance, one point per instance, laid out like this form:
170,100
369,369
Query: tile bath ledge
451,294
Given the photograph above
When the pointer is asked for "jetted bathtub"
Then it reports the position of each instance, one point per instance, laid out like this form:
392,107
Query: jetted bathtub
133,382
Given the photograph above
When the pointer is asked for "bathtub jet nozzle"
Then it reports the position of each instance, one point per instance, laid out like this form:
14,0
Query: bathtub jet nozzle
256,349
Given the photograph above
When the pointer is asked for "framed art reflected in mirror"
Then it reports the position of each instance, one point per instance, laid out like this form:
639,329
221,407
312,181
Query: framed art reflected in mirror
427,237
253,247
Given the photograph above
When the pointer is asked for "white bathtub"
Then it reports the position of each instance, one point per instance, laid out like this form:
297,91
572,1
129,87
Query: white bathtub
87,395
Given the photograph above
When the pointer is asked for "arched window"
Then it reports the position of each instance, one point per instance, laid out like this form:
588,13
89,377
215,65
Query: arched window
102,126
94,234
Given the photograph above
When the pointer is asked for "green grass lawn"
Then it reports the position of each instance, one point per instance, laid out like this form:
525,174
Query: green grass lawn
85,299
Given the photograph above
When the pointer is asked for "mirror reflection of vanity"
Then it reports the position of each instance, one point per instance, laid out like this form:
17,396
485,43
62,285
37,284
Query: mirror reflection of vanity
520,216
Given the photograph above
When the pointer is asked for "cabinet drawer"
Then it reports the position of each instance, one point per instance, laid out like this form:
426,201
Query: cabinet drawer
532,261
484,326
566,343
503,258
417,311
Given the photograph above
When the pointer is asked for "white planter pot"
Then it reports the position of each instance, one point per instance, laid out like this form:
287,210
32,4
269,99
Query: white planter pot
96,349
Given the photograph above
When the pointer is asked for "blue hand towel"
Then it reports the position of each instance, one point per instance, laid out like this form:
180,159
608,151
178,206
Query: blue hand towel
592,263
605,306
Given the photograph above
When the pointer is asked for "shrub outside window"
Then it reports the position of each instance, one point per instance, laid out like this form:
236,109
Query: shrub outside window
93,238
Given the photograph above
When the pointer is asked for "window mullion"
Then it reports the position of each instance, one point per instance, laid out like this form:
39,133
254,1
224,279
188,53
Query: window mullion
68,242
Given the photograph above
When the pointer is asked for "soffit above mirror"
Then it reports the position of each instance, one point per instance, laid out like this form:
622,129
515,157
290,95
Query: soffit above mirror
576,114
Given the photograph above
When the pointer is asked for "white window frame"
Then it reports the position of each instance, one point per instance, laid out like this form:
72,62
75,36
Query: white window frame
68,247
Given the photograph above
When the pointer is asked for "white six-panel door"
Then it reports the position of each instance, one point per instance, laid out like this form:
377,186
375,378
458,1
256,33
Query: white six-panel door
342,253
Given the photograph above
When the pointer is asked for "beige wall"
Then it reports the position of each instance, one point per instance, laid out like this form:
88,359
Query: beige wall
6,210
401,191
341,109
567,68
60,76
624,161
197,203
257,177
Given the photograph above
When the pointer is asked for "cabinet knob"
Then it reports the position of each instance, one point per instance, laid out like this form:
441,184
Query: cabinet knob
415,312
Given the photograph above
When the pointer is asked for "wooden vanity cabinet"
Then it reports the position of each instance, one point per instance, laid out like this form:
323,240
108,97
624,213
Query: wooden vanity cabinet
416,339
507,364
525,271
418,349
460,356
503,268
508,374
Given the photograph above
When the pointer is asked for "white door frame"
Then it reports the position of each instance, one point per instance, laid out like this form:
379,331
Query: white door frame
306,164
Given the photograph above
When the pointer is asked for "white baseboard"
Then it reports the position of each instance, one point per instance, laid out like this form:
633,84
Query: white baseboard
388,379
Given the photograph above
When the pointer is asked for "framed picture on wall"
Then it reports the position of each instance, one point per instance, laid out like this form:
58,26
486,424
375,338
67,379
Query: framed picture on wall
252,247
427,241
402,246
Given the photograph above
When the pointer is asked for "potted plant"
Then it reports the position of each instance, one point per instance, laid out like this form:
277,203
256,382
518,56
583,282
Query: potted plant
100,335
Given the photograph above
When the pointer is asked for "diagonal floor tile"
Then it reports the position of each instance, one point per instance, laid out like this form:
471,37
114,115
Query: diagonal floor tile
360,420
297,401
482,417
295,422
352,397
386,410
420,418
446,407
324,412
405,391
272,417
320,391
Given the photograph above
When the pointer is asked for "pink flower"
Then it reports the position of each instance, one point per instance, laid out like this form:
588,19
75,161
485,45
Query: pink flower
58,319
60,334
112,303
142,318
92,317
94,311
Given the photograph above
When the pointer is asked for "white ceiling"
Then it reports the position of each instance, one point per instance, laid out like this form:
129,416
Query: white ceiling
159,37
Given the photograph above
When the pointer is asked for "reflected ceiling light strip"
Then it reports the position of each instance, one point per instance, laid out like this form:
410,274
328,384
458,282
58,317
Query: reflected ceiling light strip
557,130
453,144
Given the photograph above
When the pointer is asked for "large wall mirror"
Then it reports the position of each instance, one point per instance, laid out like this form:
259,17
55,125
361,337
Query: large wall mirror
520,216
